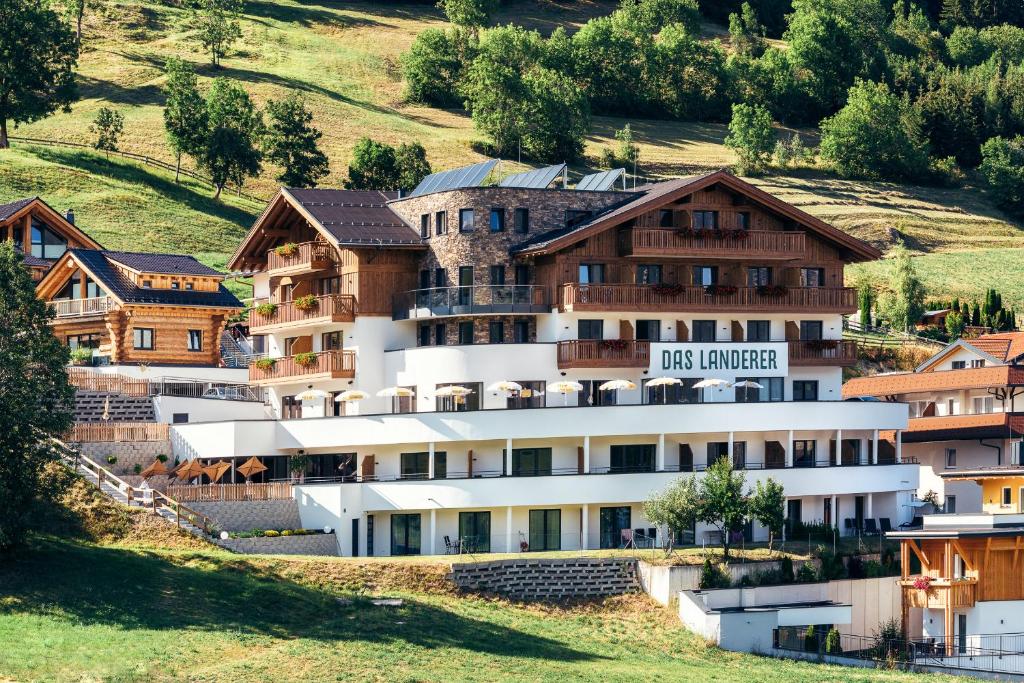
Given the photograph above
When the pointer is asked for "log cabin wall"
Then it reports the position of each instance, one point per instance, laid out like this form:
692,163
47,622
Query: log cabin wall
170,327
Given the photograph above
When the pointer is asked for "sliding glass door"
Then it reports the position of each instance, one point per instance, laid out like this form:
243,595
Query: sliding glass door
405,534
545,529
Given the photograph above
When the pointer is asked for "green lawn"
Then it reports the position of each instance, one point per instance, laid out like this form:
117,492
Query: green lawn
74,611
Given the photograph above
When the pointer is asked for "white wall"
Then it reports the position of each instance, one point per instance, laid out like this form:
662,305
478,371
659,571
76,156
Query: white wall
207,409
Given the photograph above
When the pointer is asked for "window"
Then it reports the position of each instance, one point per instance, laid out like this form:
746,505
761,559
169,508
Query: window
633,458
719,450
291,409
590,329
1007,496
329,285
440,277
175,284
470,401
189,286
496,332
705,220
704,331
531,396
977,363
440,335
46,243
705,275
804,453
672,394
531,462
179,418
592,394
424,279
405,534
497,220
812,277
497,275
521,331
614,521
331,341
475,531
147,284
466,332
441,223
665,218
465,285
195,340
805,390
647,274
289,343
417,465
759,330
522,274
143,337
983,404
743,220
648,330
771,390
811,330
83,341
959,364
522,221
950,506
424,335
950,407
425,225
951,458
574,217
591,273
545,530
466,220
759,276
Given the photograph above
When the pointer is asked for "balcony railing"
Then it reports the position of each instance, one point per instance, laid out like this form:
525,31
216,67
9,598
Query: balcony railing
471,300
604,353
332,364
95,432
68,308
765,244
338,308
823,352
306,256
685,298
958,593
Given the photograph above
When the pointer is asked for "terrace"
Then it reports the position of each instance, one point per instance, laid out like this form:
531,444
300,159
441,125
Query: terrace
80,308
309,367
269,316
439,302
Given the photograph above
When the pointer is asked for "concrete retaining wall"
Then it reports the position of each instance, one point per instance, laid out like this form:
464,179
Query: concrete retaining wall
314,544
548,579
663,583
128,453
255,514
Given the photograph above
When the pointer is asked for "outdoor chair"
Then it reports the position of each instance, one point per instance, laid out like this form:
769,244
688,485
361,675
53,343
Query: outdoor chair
870,528
849,525
912,524
626,539
450,548
885,524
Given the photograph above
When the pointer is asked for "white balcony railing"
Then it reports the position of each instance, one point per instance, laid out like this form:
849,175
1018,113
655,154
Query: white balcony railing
65,308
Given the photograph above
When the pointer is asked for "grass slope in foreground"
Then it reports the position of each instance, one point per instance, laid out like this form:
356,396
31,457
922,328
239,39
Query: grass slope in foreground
81,611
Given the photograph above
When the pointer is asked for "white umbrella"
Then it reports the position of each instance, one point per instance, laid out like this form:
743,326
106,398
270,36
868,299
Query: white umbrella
664,382
713,382
311,394
747,385
565,387
505,386
453,390
396,392
351,395
618,385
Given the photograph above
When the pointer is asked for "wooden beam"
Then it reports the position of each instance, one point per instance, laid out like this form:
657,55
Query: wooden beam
988,548
1016,551
963,555
925,564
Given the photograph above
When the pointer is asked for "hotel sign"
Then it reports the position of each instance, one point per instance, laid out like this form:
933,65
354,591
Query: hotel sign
722,360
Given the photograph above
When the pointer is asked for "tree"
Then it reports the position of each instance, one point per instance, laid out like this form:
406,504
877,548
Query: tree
865,302
435,65
216,25
468,13
1002,165
723,503
746,33
876,135
38,54
675,508
955,325
230,152
690,81
768,507
372,167
291,143
108,126
185,117
904,304
76,10
751,136
627,154
35,396
411,165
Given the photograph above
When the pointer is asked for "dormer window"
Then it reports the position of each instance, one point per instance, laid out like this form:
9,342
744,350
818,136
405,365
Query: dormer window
147,284
175,284
188,286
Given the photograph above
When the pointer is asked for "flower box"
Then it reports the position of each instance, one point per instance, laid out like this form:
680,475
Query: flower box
286,250
306,303
720,290
266,309
305,360
772,290
667,290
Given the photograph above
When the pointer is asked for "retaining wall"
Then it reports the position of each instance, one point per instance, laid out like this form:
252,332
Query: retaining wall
128,453
549,579
663,582
314,544
252,514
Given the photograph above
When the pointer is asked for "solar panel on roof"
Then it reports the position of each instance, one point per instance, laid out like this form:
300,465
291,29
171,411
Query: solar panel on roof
604,180
467,176
537,178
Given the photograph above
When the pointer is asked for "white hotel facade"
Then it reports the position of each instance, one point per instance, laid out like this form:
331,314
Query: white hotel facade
458,284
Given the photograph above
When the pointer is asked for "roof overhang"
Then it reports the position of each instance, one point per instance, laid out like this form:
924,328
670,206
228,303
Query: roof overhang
59,274
37,205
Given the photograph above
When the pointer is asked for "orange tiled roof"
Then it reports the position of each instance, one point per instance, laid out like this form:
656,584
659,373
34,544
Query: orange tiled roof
944,380
957,427
1003,345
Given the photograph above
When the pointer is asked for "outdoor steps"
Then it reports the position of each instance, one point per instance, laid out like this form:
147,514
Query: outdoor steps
232,353
89,406
549,579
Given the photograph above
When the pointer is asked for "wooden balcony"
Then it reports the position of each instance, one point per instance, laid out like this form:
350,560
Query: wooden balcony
685,299
321,366
306,258
763,245
606,353
80,308
329,308
824,352
957,594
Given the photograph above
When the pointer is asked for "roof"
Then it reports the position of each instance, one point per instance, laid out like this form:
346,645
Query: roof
963,427
11,208
985,473
647,197
896,383
1007,346
163,264
120,287
356,217
56,218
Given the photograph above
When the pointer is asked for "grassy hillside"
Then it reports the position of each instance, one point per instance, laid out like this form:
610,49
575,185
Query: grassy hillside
80,611
344,57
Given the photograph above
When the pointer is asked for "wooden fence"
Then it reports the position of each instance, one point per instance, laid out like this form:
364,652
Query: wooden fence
112,383
92,432
209,493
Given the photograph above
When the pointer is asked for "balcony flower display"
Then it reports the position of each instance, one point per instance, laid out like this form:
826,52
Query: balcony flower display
266,309
265,363
617,345
823,344
772,290
306,359
720,290
287,249
667,290
306,303
923,583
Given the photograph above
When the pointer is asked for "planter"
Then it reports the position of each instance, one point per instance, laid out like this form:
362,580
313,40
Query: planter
266,309
306,360
617,345
720,290
289,249
306,303
772,290
265,363
667,290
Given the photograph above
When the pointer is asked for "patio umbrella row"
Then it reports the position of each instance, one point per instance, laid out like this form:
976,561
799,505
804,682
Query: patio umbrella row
192,469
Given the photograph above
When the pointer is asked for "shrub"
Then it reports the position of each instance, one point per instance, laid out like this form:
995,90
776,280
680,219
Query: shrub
786,569
306,359
713,575
833,643
81,356
831,565
137,469
306,303
266,309
265,363
162,457
435,65
286,532
810,640
270,533
111,459
806,574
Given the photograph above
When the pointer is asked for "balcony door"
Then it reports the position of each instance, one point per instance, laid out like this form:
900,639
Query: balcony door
405,534
545,530
613,521
465,285
475,531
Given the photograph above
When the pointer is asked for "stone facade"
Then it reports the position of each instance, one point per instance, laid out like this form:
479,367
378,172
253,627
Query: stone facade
549,579
481,328
313,544
253,514
128,454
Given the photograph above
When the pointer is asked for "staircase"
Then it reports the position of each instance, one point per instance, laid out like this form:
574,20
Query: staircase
235,354
90,406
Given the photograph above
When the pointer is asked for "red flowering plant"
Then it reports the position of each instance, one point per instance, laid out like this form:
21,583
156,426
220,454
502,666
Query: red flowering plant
923,583
721,290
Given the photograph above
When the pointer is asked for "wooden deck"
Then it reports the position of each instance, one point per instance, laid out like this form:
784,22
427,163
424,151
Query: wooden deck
308,257
758,244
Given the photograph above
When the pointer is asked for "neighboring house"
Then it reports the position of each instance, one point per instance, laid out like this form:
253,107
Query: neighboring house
135,308
966,411
41,233
936,318
459,311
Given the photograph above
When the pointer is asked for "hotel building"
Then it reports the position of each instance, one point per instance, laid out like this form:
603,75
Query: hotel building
479,322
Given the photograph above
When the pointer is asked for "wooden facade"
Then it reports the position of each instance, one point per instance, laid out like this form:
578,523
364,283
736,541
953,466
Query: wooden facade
26,219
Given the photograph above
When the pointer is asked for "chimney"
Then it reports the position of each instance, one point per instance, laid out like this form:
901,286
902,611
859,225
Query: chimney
70,215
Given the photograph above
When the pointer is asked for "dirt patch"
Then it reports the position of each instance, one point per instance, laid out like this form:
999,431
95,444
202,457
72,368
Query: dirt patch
345,576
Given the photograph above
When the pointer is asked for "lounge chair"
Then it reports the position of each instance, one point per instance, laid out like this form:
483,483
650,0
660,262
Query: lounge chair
913,524
885,524
850,527
870,528
451,548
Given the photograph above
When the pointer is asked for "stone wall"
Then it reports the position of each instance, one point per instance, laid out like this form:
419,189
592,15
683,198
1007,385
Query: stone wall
548,579
253,514
128,453
313,544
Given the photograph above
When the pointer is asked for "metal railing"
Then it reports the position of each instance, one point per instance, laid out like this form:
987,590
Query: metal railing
631,297
469,300
67,308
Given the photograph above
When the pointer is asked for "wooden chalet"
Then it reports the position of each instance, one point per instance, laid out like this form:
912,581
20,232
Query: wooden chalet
139,307
41,233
